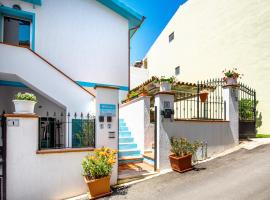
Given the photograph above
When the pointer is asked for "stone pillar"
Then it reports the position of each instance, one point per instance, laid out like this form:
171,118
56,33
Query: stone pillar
163,100
107,121
230,94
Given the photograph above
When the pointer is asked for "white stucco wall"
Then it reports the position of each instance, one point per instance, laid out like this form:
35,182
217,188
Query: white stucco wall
85,39
137,118
40,176
212,35
39,76
138,76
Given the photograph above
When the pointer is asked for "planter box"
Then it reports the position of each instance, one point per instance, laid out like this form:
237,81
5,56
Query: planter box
98,187
181,164
24,106
165,86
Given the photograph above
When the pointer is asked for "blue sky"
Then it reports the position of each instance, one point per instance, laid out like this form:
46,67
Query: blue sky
158,13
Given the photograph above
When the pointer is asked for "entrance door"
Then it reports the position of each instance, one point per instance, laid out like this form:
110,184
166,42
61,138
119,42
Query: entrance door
16,31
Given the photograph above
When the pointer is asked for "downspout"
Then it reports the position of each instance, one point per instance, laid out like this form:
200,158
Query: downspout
134,28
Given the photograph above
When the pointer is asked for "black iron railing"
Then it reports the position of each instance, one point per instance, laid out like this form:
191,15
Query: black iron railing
57,131
190,105
247,103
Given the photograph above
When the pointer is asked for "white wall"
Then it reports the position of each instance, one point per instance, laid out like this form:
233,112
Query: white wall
138,76
85,39
39,76
212,35
40,176
137,117
107,96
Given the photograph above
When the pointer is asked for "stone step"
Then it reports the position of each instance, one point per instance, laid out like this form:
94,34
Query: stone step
130,159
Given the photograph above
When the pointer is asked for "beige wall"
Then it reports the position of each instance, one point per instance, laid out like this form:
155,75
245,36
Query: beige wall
211,35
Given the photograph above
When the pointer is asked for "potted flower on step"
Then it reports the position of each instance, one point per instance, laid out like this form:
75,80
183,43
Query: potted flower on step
166,83
203,95
97,170
24,103
231,76
181,159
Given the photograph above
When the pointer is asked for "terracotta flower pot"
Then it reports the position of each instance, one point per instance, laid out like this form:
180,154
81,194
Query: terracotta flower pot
143,94
98,187
181,164
203,96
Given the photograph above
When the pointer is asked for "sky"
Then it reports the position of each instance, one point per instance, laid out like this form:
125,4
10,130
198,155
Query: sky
158,13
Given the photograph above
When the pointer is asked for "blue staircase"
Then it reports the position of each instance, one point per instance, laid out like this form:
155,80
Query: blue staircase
128,151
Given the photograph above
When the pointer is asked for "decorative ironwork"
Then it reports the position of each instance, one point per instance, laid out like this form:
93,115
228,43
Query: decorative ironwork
188,105
65,130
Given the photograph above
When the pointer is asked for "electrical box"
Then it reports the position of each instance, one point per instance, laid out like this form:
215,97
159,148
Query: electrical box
13,122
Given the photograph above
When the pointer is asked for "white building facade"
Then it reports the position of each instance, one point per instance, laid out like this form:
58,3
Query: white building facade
205,37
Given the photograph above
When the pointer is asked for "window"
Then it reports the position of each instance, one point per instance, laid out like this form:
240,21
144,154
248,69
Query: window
16,31
171,37
177,70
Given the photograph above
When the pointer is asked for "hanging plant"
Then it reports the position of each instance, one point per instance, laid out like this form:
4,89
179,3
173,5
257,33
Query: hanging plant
204,95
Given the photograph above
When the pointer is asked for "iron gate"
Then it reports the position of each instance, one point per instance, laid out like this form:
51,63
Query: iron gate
3,130
247,111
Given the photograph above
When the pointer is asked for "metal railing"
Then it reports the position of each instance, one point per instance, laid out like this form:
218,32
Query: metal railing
58,131
190,106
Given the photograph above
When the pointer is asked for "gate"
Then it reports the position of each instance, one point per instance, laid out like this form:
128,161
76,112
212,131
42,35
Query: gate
3,133
247,111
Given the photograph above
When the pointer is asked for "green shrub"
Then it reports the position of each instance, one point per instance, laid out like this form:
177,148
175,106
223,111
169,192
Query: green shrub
26,96
181,147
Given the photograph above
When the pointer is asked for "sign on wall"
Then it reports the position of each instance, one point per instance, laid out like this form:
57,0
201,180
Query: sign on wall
107,109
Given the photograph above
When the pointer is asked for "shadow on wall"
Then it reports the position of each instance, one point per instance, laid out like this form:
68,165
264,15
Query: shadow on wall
218,136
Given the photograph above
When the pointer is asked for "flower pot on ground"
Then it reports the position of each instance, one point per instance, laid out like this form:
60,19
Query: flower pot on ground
182,152
181,164
203,95
97,170
25,103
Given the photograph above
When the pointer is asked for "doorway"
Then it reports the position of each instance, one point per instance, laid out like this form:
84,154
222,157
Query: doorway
16,31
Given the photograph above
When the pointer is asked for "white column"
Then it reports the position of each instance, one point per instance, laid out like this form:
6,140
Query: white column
230,94
163,99
107,132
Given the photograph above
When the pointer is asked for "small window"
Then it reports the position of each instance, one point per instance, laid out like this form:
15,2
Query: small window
177,70
171,37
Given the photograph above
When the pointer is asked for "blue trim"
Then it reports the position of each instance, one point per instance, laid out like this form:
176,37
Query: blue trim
20,13
12,84
134,18
89,84
35,2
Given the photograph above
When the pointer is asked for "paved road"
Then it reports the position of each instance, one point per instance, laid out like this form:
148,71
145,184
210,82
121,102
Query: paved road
241,175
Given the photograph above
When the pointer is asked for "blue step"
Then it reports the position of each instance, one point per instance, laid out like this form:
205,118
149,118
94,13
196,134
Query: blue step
127,146
124,128
121,120
124,134
123,153
121,124
126,140
131,160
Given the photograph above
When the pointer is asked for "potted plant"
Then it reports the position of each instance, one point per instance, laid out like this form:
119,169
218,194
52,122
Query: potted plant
166,83
203,95
144,92
231,76
182,151
24,103
97,170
